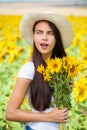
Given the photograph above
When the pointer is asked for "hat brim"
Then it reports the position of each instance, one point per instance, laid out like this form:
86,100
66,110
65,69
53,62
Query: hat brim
60,21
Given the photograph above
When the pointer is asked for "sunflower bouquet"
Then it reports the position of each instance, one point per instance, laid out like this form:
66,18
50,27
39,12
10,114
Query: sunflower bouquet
58,73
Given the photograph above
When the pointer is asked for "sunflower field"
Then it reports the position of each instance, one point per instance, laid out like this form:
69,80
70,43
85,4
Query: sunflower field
14,52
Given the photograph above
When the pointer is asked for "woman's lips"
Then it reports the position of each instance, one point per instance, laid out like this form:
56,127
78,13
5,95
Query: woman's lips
44,45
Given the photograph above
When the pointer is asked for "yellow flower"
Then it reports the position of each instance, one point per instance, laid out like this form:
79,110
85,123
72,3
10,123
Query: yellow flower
54,65
20,49
2,44
80,89
11,46
78,38
25,101
83,47
84,64
65,62
14,56
46,76
2,57
40,69
84,56
74,67
11,38
73,70
30,51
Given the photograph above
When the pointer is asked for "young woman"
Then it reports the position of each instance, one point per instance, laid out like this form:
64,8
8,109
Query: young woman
49,34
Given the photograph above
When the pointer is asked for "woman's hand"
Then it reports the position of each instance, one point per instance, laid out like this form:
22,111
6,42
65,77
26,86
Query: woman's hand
57,115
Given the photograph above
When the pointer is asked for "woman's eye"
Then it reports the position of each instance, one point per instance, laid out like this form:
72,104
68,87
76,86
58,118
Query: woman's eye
38,32
50,33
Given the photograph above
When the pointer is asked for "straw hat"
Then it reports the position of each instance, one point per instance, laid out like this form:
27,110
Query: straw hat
60,21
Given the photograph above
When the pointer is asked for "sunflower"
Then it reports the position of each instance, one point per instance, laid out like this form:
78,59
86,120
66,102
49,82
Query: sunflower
72,71
80,89
54,65
65,63
47,76
40,69
83,48
74,68
68,61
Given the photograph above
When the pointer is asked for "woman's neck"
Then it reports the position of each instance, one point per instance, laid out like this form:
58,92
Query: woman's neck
45,56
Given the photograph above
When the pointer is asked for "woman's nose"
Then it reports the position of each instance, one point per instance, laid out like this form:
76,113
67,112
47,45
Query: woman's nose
44,36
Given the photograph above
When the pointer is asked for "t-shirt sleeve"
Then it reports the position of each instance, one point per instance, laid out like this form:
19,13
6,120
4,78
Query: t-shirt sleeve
27,71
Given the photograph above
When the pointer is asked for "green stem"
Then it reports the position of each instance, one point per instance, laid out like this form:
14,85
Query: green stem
62,126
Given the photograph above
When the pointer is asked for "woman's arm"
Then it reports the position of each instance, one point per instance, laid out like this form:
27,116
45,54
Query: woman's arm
14,113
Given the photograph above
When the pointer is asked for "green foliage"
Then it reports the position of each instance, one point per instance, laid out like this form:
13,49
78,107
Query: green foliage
62,91
78,115
8,74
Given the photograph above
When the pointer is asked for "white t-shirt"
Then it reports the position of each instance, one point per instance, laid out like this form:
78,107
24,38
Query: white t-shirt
27,71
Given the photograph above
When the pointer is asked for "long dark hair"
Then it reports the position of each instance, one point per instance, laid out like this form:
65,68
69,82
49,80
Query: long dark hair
40,92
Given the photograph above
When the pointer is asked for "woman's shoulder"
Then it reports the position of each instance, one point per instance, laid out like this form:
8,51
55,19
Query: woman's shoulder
27,70
28,64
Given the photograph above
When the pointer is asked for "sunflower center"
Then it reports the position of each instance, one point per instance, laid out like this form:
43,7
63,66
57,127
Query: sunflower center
55,66
72,69
65,62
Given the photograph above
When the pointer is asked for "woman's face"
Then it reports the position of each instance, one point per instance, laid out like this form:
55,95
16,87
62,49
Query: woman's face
44,39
